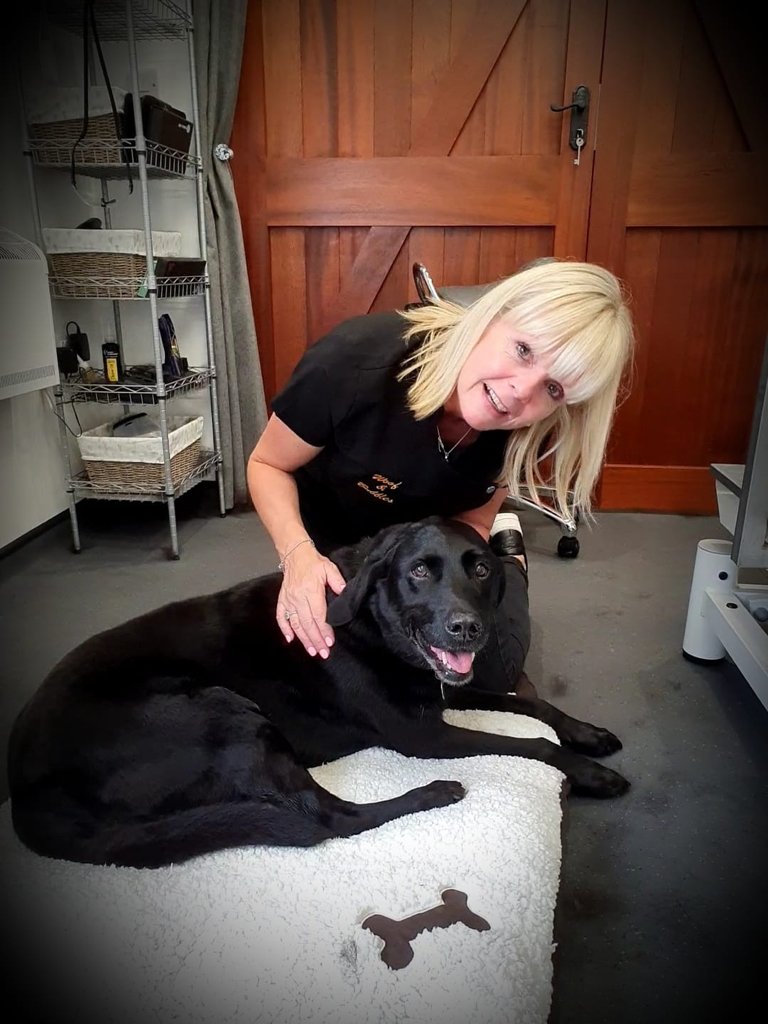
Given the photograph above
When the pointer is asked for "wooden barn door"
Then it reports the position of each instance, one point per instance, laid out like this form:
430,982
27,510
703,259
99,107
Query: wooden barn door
680,211
373,133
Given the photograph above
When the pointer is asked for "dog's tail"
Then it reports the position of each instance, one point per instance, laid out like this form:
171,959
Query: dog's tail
170,839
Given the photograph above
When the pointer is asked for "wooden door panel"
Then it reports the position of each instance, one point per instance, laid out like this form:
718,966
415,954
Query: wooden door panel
424,191
697,364
701,189
470,140
287,260
511,114
278,24
679,211
547,35
319,78
355,82
373,262
249,137
391,61
681,284
737,40
503,93
461,259
454,256
401,131
477,257
473,56
395,287
322,264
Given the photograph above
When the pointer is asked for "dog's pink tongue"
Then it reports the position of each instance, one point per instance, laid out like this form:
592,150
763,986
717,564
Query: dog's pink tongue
459,661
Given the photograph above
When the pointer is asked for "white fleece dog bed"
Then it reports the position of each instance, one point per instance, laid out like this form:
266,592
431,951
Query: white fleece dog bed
271,935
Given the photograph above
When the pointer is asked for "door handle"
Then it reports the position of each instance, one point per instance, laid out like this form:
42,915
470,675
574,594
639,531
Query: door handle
579,108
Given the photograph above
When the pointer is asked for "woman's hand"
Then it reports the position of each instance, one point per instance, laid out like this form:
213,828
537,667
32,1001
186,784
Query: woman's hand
301,605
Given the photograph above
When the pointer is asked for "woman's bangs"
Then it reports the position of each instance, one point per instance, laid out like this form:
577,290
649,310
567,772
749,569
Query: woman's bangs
577,338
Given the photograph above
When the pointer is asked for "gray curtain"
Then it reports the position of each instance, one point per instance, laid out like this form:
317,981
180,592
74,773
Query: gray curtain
219,34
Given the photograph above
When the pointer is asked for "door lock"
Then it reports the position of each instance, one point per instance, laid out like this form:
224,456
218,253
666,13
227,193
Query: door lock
579,108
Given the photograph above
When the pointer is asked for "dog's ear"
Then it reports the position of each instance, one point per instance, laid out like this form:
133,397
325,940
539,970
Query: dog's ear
376,563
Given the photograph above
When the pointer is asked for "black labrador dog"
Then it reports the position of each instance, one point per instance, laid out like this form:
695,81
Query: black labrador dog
190,729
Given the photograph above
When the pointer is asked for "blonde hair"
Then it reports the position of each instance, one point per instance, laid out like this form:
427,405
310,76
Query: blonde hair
579,316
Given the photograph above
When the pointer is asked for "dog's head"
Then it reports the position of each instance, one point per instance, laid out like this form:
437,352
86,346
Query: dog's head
431,587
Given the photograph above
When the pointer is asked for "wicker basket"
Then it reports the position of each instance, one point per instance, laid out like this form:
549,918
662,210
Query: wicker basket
110,261
97,264
142,475
64,134
136,462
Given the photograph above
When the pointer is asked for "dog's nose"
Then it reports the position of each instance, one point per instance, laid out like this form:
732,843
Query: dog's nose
463,626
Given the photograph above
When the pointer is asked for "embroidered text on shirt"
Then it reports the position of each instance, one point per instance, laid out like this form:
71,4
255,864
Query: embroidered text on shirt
383,484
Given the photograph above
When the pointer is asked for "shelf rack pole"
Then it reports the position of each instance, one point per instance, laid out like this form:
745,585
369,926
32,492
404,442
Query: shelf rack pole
141,153
213,391
59,399
106,204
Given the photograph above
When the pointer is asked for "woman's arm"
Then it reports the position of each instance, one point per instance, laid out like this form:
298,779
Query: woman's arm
481,519
278,453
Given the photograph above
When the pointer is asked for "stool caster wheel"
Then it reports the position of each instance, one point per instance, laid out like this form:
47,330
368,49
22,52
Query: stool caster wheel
568,547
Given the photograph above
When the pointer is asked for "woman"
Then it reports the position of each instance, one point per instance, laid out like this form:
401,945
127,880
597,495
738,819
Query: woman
439,410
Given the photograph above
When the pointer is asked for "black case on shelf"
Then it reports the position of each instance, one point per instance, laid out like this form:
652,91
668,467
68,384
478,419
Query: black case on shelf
179,266
163,123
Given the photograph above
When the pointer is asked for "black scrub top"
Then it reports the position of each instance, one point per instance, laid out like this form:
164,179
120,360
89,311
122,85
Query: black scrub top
379,465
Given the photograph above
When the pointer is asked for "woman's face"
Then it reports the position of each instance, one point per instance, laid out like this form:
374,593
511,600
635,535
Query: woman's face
505,383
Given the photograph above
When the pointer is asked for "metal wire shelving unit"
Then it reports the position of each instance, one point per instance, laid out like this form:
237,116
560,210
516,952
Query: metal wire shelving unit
162,161
128,21
147,492
149,19
125,288
128,393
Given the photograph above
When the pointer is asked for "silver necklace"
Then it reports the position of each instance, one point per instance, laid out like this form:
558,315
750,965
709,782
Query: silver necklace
441,447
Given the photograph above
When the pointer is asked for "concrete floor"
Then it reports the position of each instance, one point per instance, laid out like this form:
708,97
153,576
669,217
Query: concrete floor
661,916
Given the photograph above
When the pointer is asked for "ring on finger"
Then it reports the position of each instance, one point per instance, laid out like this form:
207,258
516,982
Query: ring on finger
289,614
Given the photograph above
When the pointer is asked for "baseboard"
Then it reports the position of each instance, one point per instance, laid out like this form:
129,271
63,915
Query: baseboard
25,538
686,490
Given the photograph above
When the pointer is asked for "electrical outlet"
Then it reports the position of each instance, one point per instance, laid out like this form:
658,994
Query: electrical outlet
148,81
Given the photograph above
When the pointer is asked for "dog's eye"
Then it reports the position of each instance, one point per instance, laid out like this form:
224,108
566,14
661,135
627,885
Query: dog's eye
419,571
481,570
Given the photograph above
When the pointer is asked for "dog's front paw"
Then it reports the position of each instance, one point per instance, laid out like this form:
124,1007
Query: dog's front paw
590,739
440,794
590,779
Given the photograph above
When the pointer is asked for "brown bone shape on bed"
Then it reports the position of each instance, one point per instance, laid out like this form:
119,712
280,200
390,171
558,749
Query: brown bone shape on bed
397,935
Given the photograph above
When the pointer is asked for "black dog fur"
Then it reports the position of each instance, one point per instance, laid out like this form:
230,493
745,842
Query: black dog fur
190,729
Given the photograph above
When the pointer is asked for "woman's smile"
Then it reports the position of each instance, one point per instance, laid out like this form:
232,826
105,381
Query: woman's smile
495,401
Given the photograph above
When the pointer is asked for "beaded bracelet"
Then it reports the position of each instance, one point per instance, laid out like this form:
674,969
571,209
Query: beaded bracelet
307,540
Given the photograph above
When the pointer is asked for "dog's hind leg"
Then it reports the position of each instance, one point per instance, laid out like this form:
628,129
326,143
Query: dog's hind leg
207,771
192,833
300,819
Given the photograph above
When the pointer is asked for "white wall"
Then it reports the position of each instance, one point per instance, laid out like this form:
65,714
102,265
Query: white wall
30,455
31,464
